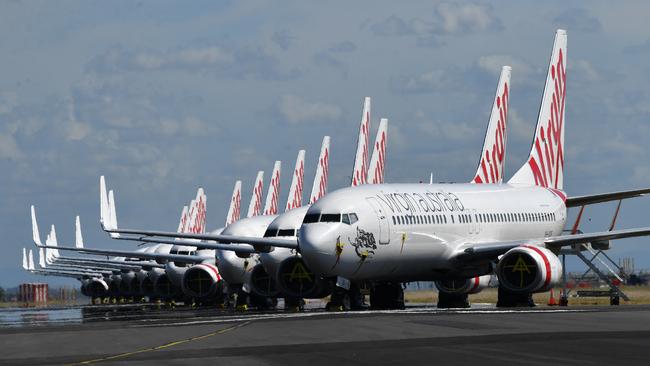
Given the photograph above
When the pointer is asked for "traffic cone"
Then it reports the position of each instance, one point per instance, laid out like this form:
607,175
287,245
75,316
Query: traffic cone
551,300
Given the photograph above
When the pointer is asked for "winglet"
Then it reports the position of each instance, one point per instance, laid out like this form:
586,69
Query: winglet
234,211
295,191
319,187
53,253
255,206
25,265
79,240
41,258
31,261
103,203
36,236
376,169
273,194
112,214
360,169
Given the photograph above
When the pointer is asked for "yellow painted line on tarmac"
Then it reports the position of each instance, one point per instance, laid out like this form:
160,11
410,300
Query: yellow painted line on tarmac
163,346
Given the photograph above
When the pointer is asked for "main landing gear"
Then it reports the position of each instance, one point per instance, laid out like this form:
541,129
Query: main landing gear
343,299
447,300
508,299
386,296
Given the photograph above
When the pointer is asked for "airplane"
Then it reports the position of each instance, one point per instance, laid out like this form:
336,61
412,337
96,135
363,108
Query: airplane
492,155
236,266
92,283
409,232
295,278
126,281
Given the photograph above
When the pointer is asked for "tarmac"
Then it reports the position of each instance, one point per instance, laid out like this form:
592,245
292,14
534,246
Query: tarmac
422,335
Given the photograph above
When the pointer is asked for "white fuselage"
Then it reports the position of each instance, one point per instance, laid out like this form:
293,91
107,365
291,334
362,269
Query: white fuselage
235,269
409,232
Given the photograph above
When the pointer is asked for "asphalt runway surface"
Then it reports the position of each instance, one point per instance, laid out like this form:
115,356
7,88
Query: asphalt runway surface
424,335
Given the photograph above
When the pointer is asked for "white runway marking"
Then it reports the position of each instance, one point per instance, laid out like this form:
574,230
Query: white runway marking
229,318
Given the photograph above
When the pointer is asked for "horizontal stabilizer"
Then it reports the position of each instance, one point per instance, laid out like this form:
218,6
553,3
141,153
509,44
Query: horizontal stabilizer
604,197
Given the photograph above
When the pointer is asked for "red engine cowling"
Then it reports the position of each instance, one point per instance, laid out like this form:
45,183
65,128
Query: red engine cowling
529,269
463,285
202,280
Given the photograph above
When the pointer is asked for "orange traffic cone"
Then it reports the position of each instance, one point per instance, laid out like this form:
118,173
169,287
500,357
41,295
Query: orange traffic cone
551,300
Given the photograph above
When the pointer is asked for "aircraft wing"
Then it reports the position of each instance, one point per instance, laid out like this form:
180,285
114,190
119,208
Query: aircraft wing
492,250
240,248
129,254
139,235
604,197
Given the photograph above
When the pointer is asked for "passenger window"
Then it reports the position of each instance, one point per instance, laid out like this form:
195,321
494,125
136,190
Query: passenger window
353,218
311,218
330,218
345,218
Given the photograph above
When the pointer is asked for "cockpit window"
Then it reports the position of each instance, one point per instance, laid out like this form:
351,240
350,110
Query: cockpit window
330,218
287,232
270,233
353,218
311,218
345,218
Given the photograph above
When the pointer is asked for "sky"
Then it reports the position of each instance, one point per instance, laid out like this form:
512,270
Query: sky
163,97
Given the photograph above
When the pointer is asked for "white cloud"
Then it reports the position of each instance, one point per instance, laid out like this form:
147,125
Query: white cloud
427,82
76,131
8,101
9,148
585,70
187,57
296,110
466,18
494,63
447,19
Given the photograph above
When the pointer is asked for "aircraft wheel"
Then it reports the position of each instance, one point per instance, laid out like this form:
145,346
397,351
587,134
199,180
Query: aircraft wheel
508,299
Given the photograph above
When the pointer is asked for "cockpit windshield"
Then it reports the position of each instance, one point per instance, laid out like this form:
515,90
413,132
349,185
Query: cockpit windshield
287,232
349,219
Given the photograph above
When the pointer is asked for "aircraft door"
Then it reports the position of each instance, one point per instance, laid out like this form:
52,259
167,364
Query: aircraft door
384,228
476,223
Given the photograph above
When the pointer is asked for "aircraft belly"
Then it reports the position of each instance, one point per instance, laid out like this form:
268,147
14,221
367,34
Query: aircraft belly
233,269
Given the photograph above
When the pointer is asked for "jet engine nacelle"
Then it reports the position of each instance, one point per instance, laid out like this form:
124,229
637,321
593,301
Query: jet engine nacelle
529,269
295,279
262,283
463,285
202,280
97,287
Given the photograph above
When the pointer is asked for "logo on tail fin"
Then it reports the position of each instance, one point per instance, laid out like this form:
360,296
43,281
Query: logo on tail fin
197,226
545,165
320,180
296,200
360,171
271,207
234,212
547,160
376,170
256,201
491,165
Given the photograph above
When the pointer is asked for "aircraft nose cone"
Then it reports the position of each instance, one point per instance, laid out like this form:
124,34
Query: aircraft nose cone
318,246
